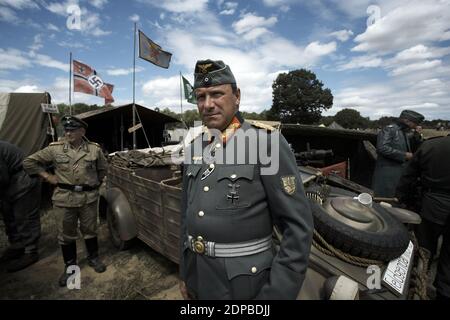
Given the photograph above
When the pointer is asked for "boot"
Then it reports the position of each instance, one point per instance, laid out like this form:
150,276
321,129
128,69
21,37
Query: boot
93,260
69,252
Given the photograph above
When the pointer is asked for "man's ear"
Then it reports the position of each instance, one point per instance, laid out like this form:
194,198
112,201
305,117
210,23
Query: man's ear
238,98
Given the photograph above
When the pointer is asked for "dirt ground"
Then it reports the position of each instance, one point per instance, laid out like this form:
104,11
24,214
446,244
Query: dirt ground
138,273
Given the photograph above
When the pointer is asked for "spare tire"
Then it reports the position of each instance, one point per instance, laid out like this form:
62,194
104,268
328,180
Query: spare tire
359,230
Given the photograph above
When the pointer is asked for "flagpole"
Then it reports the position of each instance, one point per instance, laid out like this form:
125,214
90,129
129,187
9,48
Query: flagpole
70,85
181,97
134,86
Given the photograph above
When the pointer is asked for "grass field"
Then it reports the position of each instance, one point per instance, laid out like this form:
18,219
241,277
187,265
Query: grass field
429,133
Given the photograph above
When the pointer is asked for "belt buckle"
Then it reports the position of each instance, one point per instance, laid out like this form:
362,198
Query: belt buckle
78,188
199,245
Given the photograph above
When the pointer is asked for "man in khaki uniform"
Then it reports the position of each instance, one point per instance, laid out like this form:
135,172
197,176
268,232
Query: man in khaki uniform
80,168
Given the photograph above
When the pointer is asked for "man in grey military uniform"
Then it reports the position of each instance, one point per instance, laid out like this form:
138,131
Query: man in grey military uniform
229,207
394,150
80,168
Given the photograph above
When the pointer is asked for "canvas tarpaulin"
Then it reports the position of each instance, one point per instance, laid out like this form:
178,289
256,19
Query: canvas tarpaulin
22,121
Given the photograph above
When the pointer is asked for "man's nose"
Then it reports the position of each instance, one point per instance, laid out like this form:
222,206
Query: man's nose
209,102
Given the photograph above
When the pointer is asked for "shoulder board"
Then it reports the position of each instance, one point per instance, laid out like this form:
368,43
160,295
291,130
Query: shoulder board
261,125
56,143
94,143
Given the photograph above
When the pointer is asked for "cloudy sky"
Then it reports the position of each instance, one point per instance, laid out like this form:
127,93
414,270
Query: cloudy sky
376,56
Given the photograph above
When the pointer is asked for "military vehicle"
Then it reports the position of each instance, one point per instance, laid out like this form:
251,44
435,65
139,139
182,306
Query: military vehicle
363,247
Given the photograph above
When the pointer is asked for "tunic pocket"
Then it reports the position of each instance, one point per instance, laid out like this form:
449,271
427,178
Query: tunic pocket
248,274
62,162
236,183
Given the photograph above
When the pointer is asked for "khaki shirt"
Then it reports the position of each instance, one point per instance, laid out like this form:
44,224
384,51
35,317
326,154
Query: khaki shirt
85,165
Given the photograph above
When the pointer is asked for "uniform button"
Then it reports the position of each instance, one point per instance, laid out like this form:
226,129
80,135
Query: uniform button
218,145
233,176
201,213
254,269
212,166
206,188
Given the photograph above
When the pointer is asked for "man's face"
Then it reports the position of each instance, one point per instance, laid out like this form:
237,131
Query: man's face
217,105
74,136
410,124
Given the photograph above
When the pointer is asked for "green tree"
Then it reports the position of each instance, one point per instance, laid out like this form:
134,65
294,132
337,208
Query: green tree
190,116
351,119
299,97
170,113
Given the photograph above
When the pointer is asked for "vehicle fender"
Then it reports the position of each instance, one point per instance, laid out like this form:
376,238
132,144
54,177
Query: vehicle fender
119,206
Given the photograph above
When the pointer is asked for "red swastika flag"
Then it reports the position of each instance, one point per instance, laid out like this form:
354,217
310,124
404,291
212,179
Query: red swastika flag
86,80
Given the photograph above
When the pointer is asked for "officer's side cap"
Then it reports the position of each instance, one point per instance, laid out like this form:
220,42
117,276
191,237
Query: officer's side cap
210,73
412,116
72,123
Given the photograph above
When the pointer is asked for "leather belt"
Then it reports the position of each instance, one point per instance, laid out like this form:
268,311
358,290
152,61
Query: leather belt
229,250
77,188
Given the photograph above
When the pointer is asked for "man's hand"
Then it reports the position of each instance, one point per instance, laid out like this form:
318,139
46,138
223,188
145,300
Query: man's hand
409,156
50,178
184,291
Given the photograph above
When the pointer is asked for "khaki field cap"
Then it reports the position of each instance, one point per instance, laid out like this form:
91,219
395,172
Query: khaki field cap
72,123
210,73
412,116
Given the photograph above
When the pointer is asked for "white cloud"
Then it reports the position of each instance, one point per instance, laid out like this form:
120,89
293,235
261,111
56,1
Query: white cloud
418,66
98,3
61,8
229,8
13,59
67,44
409,24
361,62
89,22
52,27
421,52
134,18
123,71
47,61
8,15
342,35
390,97
37,43
255,33
179,6
164,92
28,89
251,21
20,4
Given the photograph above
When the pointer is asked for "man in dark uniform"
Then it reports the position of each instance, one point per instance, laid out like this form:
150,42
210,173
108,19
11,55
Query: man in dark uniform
232,197
394,150
20,200
431,167
80,168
